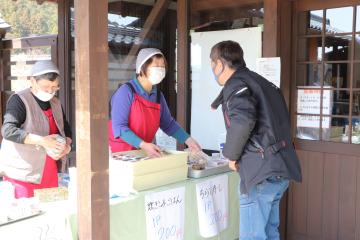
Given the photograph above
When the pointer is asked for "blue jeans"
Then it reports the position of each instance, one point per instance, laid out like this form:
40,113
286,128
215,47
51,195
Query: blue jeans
259,210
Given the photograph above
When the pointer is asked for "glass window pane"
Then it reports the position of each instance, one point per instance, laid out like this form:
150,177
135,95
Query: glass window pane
337,75
310,49
356,104
358,19
339,20
357,46
307,127
308,74
335,129
338,48
356,75
337,101
355,139
310,23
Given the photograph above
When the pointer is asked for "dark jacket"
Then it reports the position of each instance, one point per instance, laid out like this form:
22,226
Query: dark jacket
258,129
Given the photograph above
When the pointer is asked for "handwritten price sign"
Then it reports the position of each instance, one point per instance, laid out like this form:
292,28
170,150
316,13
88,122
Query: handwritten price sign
213,205
165,214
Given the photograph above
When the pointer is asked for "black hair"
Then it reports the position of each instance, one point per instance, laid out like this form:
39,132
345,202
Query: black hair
52,76
230,53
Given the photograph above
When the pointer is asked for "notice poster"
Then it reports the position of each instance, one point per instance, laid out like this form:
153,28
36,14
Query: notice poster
308,102
269,68
213,205
165,214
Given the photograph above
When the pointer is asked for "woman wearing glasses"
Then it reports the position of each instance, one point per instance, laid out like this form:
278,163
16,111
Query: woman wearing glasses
33,121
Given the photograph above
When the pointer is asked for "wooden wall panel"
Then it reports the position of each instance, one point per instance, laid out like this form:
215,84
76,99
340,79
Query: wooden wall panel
299,200
326,205
314,193
347,198
357,208
331,196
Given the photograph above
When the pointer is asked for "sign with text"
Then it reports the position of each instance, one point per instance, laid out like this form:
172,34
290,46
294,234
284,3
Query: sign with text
269,68
308,102
165,214
213,205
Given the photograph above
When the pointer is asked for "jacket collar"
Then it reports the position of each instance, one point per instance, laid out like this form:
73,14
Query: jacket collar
219,99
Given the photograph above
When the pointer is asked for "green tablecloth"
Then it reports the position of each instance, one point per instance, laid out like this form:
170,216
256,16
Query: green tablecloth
128,221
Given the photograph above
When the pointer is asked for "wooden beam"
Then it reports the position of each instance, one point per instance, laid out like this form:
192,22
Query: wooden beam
28,42
306,5
205,5
91,71
202,19
5,84
183,63
285,48
150,25
271,28
64,52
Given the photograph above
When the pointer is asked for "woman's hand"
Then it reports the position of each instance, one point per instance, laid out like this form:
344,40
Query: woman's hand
49,142
151,149
65,152
193,145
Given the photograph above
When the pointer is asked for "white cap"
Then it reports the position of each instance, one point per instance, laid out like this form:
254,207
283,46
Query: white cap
43,67
144,55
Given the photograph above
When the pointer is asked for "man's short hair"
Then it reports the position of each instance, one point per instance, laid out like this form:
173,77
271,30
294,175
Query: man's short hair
230,53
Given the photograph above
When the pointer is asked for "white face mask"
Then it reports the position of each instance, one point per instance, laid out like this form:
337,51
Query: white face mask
44,96
156,75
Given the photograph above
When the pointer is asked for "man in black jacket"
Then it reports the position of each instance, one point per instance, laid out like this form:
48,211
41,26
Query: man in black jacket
258,140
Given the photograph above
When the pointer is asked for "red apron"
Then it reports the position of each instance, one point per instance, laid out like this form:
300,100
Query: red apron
144,121
49,178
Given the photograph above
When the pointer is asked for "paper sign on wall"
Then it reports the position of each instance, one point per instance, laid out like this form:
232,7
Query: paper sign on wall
213,205
308,102
269,68
165,214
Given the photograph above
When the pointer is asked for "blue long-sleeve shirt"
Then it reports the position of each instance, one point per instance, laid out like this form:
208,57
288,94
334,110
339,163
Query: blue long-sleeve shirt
121,103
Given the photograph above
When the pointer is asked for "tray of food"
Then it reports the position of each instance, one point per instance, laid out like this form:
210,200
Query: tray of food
20,209
11,219
201,165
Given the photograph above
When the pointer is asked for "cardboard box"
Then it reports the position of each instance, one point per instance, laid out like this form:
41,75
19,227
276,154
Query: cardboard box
141,174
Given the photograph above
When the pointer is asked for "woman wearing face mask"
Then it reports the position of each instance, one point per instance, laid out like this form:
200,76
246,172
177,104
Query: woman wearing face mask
138,109
33,119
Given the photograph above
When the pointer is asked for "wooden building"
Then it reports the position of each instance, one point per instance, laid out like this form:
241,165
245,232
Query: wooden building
319,45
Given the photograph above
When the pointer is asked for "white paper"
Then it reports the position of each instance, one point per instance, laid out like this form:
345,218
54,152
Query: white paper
269,68
165,213
52,224
206,124
213,205
308,102
164,141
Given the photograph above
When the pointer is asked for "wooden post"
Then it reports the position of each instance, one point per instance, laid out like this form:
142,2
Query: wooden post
64,53
5,83
277,43
183,64
1,84
271,28
91,64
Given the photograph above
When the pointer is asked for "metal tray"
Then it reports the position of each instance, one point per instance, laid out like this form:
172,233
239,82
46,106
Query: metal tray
21,218
208,171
